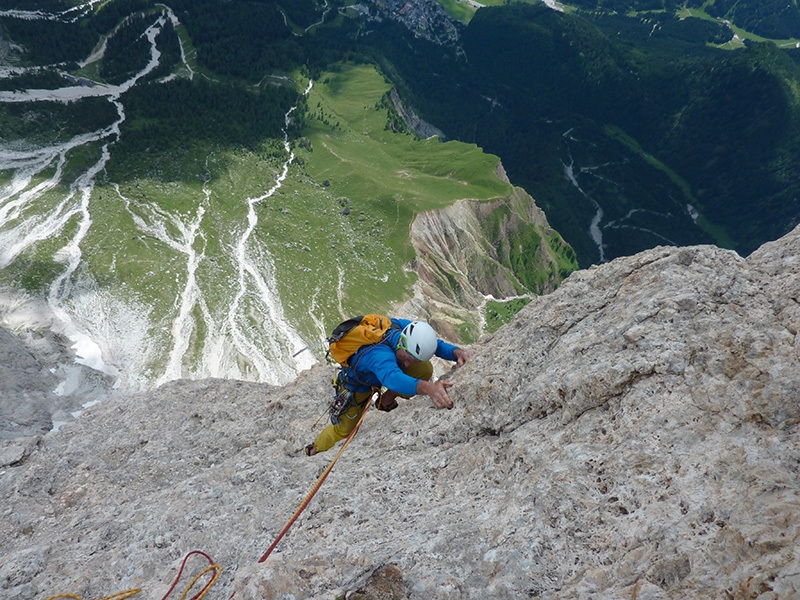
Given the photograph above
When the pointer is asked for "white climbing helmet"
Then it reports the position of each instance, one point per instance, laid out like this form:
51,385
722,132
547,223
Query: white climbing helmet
419,340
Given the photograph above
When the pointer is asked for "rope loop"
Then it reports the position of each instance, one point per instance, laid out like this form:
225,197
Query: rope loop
128,593
212,566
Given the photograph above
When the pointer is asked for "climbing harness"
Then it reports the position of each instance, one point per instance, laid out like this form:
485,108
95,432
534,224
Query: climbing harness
341,401
347,345
315,487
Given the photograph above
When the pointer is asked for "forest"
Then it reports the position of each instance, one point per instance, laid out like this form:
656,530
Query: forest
766,18
180,112
677,100
648,95
54,41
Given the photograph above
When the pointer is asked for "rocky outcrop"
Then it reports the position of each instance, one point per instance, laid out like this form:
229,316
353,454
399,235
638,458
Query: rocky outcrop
26,390
632,435
421,128
41,385
472,251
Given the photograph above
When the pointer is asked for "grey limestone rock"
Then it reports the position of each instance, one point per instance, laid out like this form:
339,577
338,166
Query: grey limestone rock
41,385
632,435
26,390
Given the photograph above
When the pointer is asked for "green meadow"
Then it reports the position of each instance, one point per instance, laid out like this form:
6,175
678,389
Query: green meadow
344,213
334,235
331,238
459,10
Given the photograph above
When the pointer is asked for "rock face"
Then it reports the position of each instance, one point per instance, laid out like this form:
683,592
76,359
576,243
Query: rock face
25,390
422,128
41,386
473,250
632,435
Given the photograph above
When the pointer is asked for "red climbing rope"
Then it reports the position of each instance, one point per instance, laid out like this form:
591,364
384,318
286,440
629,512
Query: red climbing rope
316,486
128,593
212,567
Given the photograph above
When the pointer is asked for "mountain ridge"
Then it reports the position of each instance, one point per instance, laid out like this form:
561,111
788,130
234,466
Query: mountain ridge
473,252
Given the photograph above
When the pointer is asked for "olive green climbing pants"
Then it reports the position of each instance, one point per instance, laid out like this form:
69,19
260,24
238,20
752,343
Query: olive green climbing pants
349,418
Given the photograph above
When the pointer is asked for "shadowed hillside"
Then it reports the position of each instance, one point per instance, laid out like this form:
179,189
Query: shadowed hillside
630,130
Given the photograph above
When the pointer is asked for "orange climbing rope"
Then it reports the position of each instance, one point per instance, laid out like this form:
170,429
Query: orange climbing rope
117,596
316,486
128,593
217,569
212,566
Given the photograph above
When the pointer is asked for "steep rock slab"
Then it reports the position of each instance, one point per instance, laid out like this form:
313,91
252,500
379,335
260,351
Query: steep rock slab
25,391
654,424
632,435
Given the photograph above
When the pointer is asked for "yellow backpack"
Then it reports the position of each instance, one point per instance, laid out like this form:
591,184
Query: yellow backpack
351,335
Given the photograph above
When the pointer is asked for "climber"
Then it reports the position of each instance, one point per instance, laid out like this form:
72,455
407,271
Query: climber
401,363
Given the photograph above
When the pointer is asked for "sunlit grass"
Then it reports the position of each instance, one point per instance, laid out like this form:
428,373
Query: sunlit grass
366,184
460,10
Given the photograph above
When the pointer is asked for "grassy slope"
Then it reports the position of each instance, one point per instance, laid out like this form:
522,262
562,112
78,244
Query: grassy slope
382,179
326,263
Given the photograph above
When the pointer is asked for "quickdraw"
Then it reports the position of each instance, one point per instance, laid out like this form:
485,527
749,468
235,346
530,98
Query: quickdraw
342,400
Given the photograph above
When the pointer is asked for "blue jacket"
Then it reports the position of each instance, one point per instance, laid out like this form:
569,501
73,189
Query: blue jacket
376,365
